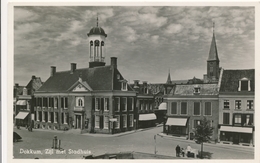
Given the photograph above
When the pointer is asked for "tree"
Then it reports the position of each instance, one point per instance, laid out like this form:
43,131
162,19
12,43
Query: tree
203,131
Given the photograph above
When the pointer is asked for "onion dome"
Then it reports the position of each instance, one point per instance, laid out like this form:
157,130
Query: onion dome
97,31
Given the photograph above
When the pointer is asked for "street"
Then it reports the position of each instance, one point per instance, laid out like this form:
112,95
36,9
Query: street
141,141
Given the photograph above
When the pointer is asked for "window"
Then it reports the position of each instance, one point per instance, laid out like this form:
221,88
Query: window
142,104
131,120
44,102
196,110
196,123
124,85
55,117
66,102
151,105
106,107
55,102
106,122
147,105
226,118
250,104
62,102
117,104
237,118
49,116
131,103
124,104
238,104
244,85
174,108
80,101
184,108
117,123
43,117
226,104
65,116
124,121
248,120
97,104
118,76
97,119
37,115
196,89
207,108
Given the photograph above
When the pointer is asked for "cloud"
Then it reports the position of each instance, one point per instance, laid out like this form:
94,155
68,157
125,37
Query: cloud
149,10
21,15
174,28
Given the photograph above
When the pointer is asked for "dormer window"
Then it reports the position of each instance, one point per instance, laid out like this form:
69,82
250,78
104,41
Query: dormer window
196,89
124,85
244,85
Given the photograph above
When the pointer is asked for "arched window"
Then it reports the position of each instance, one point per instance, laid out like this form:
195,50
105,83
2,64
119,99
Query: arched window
91,43
96,43
80,102
102,43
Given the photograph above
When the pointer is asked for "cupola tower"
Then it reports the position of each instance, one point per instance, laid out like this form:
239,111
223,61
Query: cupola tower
96,38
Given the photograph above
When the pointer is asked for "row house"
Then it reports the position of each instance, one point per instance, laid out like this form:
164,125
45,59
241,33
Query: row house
96,99
236,107
144,105
187,105
23,97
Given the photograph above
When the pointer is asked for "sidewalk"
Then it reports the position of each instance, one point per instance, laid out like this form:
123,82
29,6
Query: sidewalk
183,139
91,134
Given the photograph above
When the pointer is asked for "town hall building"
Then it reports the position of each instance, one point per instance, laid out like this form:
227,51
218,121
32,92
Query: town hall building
96,99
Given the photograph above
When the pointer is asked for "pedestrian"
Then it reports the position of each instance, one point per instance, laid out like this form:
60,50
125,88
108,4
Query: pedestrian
178,150
182,152
188,150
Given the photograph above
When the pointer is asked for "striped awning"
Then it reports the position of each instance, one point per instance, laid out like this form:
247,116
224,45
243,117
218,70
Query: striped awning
236,129
21,115
21,102
176,121
147,117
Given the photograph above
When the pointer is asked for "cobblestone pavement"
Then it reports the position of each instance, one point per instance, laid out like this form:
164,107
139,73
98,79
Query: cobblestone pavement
139,141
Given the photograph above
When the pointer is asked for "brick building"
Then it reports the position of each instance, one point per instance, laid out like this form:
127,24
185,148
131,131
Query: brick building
95,99
236,107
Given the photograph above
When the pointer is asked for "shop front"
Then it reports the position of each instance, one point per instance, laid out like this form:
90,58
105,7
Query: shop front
147,120
176,126
236,135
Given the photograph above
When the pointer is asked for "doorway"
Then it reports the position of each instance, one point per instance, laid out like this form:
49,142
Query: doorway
78,121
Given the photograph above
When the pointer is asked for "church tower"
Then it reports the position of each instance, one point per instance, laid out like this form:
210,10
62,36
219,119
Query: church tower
213,61
96,38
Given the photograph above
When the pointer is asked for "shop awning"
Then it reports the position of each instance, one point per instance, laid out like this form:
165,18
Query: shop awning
147,117
236,129
21,102
21,115
163,106
176,121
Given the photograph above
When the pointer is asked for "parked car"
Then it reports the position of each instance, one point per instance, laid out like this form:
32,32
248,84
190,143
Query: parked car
16,137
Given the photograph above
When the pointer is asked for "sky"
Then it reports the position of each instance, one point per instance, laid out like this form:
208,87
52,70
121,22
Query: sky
148,41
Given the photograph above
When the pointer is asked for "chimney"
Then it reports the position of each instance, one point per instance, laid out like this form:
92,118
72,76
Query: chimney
114,62
136,83
145,83
16,85
53,70
73,67
33,77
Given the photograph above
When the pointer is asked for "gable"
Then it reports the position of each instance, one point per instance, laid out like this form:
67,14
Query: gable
79,88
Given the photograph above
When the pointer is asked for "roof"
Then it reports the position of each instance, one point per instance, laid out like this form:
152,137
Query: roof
205,89
98,78
179,81
97,31
35,83
230,79
213,53
141,88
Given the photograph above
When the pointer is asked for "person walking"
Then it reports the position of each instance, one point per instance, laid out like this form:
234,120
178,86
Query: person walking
182,152
178,150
